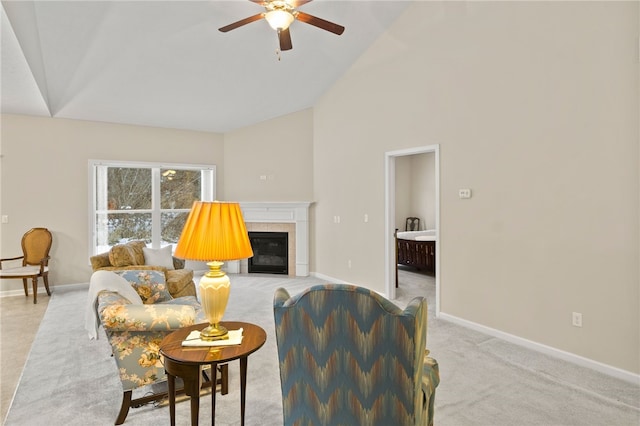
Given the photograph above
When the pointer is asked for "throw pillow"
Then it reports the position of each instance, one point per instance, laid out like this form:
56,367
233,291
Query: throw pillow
158,257
150,285
137,247
122,255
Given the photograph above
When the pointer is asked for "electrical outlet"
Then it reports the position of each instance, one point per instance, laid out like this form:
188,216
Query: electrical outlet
576,319
464,193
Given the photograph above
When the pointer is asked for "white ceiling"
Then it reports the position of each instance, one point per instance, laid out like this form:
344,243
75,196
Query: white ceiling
165,64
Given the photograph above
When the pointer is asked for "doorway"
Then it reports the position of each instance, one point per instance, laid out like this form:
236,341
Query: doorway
390,215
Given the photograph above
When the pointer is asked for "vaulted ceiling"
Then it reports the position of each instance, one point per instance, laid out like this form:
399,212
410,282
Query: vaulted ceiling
165,64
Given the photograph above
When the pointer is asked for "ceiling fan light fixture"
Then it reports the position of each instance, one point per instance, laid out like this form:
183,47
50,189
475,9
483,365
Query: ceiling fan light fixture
279,19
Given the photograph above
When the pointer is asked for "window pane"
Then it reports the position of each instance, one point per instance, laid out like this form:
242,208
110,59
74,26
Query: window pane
145,201
172,224
128,188
179,188
102,233
124,227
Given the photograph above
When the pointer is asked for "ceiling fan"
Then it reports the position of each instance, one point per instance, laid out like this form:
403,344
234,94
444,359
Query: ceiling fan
280,14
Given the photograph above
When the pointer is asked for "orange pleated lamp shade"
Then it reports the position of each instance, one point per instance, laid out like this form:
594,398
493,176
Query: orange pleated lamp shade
214,231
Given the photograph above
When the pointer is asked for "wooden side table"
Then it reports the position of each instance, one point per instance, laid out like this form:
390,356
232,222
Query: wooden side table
187,362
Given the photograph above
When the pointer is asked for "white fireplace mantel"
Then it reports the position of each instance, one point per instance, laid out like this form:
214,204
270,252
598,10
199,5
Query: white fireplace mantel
296,212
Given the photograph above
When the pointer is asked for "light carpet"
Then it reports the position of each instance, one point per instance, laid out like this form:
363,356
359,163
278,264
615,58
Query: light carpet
71,380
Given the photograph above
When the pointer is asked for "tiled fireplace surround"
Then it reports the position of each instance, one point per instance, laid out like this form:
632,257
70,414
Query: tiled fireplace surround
289,217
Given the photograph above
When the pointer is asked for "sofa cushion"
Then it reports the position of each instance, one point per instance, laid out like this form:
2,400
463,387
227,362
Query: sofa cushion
137,247
122,255
180,282
149,284
159,257
191,301
100,261
127,254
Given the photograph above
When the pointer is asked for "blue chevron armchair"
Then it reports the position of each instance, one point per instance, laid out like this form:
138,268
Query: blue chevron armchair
348,356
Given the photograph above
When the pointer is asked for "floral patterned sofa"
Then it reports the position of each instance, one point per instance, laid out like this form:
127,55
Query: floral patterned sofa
131,256
135,331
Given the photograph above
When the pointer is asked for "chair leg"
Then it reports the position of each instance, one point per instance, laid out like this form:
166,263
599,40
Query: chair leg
35,289
24,284
124,408
45,278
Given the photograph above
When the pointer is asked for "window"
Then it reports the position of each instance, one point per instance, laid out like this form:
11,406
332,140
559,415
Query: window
144,201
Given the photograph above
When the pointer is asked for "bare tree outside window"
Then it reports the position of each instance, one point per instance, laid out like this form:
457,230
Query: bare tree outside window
178,189
129,191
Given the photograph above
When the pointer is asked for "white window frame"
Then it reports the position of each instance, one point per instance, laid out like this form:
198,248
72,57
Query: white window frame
207,192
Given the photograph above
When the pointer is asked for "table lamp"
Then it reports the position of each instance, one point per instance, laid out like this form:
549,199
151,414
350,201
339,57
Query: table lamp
214,232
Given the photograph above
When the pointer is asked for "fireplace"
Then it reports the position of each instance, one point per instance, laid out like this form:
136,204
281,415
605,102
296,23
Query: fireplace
289,217
270,252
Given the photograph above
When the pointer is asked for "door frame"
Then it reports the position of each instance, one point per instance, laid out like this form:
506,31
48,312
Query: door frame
390,215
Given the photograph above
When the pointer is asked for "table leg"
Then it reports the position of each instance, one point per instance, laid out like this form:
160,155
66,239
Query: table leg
214,379
195,409
191,380
243,386
224,377
172,398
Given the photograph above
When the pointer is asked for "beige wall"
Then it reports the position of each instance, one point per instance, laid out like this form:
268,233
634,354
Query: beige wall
415,190
423,189
404,195
535,108
280,150
45,179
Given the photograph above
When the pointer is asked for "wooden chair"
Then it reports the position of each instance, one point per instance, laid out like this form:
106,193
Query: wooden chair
412,224
36,244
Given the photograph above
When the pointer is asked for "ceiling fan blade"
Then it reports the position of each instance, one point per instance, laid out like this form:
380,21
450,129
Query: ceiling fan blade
320,23
292,3
298,3
241,22
285,39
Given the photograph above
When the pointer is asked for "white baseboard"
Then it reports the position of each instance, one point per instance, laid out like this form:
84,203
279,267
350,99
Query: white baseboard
20,292
609,370
328,279
41,289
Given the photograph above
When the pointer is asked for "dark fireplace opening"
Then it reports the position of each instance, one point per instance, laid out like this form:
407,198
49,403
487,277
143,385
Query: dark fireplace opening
270,252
